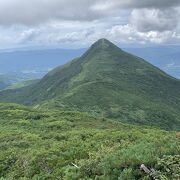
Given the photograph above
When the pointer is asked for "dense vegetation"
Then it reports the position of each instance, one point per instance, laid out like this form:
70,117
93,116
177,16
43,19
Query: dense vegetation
107,82
45,145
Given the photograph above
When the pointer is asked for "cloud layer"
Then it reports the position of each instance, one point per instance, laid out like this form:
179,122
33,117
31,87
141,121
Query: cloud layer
39,11
80,22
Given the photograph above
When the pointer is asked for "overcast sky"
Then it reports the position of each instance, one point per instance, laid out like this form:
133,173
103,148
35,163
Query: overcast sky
78,23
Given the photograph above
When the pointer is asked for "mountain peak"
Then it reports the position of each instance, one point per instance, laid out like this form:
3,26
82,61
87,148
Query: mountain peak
103,41
102,45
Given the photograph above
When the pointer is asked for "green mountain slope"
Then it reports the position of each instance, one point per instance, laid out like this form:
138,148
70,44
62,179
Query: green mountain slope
21,84
15,80
108,82
45,145
4,82
3,85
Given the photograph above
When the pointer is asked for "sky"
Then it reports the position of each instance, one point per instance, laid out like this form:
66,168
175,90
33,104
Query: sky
78,23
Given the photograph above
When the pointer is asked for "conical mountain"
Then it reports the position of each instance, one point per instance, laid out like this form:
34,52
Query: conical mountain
109,82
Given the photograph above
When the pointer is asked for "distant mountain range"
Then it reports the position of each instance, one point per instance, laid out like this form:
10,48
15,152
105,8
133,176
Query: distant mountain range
107,82
35,60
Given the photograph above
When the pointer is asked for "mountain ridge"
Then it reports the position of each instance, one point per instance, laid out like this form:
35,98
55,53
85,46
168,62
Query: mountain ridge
106,81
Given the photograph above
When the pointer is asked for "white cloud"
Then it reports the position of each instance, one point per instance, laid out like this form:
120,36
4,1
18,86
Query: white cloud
129,34
78,23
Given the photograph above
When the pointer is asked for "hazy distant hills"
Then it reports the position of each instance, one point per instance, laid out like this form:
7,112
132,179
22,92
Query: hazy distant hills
16,80
35,60
106,81
8,79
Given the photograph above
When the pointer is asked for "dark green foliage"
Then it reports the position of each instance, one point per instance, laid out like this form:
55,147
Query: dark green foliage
43,145
107,82
168,167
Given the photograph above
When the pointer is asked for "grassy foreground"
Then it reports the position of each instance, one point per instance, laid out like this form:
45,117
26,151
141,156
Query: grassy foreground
43,145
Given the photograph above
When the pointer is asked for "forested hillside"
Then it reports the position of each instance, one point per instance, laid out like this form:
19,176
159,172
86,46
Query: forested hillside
107,82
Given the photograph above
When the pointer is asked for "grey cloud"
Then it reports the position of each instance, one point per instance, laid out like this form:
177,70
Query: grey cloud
159,4
131,4
40,11
30,12
154,20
